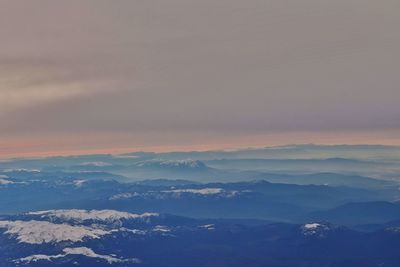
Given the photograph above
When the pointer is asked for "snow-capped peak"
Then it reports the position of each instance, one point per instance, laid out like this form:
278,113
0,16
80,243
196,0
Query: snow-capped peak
96,215
315,229
312,225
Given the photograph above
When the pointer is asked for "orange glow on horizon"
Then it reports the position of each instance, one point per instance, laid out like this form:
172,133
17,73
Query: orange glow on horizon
117,143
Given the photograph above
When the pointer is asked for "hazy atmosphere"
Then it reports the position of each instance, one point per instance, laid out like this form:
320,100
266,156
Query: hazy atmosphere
78,76
207,133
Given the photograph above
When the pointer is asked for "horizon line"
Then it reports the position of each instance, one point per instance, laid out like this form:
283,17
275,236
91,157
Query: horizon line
168,149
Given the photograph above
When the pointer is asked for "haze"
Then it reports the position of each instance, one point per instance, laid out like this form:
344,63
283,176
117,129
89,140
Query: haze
78,76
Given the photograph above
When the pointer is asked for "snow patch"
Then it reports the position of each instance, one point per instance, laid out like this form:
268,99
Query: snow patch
79,183
4,181
395,230
38,257
39,232
133,231
162,229
124,196
96,164
96,215
315,229
84,251
312,225
203,191
22,170
208,226
185,163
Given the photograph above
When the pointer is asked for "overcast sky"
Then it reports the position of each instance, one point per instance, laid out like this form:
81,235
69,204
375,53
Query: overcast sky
150,74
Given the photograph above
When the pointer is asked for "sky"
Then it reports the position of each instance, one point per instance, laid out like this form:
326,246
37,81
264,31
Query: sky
96,75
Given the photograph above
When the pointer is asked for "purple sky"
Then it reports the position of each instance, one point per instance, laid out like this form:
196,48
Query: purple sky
84,75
